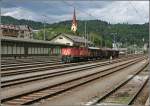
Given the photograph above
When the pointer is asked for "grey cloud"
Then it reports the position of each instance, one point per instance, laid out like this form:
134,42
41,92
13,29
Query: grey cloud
112,11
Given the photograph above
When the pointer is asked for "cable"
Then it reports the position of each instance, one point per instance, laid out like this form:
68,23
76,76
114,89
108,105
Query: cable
137,12
89,14
81,12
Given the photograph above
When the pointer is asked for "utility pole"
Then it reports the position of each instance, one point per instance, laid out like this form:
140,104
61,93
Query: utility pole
44,38
114,39
143,43
101,41
0,20
93,38
44,30
85,32
126,46
0,31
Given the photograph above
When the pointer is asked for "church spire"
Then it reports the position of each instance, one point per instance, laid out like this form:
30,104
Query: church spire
74,23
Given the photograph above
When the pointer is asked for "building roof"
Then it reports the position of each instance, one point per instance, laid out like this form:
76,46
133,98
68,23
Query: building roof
14,27
17,27
77,39
4,38
74,21
23,27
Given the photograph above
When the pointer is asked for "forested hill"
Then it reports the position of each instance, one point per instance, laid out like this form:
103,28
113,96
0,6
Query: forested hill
11,20
97,30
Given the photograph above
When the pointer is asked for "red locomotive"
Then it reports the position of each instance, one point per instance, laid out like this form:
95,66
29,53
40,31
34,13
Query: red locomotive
75,54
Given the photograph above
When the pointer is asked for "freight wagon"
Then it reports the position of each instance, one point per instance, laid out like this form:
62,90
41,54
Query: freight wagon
75,54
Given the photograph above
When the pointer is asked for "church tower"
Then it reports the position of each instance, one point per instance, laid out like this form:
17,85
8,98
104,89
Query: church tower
74,23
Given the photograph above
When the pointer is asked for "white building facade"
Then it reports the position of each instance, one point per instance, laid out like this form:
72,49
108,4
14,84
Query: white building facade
70,40
18,31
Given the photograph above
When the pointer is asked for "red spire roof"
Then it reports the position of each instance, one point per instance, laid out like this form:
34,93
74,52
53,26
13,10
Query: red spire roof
74,21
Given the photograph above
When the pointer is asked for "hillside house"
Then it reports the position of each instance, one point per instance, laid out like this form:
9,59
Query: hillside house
18,31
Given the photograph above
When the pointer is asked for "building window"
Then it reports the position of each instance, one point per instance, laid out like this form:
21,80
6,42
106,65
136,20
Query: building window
67,43
60,37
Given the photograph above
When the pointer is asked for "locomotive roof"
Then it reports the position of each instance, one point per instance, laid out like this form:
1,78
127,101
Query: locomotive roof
109,49
94,48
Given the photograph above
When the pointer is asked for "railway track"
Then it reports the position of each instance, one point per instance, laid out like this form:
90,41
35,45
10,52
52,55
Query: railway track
31,64
17,62
28,64
41,67
147,102
7,81
34,96
44,67
9,66
109,97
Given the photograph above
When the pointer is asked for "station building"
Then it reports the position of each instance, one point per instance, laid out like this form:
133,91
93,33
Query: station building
71,40
20,47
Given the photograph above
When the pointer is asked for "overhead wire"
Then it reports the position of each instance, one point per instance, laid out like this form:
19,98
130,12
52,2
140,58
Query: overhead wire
78,9
137,12
45,17
89,14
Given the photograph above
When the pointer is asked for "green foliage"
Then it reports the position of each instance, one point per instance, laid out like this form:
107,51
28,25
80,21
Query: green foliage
11,20
100,32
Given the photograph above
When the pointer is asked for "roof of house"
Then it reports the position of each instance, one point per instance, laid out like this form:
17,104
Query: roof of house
76,38
25,27
16,27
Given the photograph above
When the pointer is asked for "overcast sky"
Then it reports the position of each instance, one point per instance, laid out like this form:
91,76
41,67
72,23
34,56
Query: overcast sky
133,12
